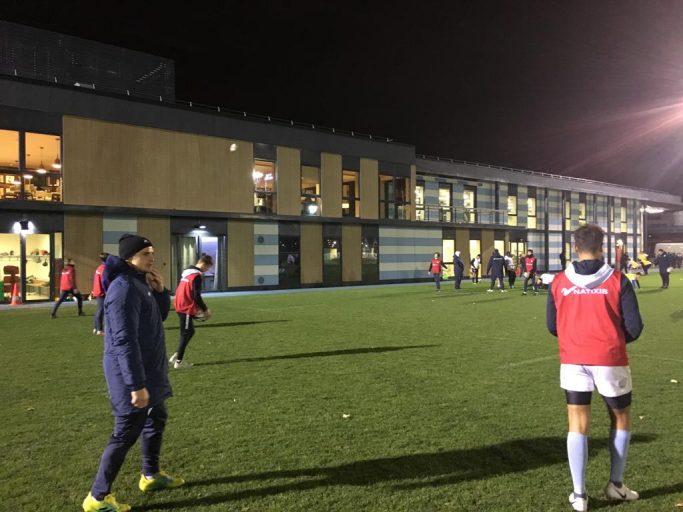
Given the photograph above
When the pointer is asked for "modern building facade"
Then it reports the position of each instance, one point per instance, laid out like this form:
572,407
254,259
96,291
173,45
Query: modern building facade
278,204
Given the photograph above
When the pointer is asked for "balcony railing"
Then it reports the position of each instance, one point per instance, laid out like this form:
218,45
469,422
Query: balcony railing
458,214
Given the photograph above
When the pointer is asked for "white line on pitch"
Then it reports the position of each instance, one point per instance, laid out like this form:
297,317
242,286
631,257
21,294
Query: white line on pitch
528,361
657,358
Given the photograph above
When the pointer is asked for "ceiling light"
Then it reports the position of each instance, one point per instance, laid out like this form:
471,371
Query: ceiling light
654,209
57,164
256,175
28,176
269,177
233,147
41,169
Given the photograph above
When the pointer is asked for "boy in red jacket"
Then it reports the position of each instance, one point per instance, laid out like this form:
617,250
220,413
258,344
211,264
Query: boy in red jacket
593,311
67,286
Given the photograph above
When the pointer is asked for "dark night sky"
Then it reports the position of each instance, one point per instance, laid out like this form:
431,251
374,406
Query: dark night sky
584,88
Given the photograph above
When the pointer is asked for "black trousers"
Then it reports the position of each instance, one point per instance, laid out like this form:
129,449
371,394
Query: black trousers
99,315
147,424
186,333
501,281
458,280
512,276
62,297
665,279
532,278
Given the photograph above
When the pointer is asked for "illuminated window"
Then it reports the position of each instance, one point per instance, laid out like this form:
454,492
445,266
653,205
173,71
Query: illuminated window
512,210
624,220
420,201
445,202
582,213
531,213
263,175
469,197
394,197
567,215
351,194
310,190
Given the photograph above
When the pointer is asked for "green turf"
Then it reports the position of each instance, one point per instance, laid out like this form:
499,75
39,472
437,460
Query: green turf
453,401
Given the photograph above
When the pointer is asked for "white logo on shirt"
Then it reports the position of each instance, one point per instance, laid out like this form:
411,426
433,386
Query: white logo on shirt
574,290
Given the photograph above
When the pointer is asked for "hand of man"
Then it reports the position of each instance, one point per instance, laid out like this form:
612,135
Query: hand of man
155,280
139,398
75,291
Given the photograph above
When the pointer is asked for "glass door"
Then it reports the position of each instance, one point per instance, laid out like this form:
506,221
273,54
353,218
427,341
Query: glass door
10,264
38,267
475,248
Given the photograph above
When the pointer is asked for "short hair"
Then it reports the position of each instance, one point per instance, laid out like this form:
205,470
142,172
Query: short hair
104,255
589,238
207,259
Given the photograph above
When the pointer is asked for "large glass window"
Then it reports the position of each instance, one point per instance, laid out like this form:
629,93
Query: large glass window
370,253
332,255
582,213
567,215
531,213
350,193
38,267
10,178
263,175
624,220
445,202
469,197
289,256
420,201
394,194
310,190
512,210
42,177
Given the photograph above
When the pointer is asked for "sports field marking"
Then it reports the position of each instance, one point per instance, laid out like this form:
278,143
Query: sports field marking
527,361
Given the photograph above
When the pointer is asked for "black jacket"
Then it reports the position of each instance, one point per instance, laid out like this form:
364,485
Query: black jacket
663,261
458,266
496,265
632,323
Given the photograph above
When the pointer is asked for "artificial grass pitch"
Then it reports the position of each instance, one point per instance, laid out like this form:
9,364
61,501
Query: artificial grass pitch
387,399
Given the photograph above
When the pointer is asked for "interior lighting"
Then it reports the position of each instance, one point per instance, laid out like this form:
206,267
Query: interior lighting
57,164
312,209
269,177
256,175
654,209
41,169
28,176
233,147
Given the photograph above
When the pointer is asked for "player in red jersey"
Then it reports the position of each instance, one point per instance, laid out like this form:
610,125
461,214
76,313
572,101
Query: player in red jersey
593,311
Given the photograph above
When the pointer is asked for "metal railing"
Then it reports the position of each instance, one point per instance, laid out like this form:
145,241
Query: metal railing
458,214
533,173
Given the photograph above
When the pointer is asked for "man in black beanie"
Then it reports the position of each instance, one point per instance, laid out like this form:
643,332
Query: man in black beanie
136,370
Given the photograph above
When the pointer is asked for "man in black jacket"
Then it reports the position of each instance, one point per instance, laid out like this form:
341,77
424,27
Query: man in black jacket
458,269
496,269
663,261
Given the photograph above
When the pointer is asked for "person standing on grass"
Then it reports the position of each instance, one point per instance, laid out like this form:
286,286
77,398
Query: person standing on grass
67,286
458,269
529,268
188,304
135,369
475,264
593,311
436,267
495,269
663,261
510,269
98,292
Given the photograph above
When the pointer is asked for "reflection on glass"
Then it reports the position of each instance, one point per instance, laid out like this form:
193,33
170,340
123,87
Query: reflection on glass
351,194
310,190
10,263
43,173
38,267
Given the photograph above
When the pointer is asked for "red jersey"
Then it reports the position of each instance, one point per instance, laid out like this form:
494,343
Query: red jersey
530,264
435,266
589,322
97,285
185,301
68,279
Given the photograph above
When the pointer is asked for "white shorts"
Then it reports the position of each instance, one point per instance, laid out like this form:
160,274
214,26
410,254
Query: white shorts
610,381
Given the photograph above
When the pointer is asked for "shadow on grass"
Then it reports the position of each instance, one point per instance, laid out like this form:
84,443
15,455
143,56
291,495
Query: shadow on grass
598,503
405,472
676,316
200,325
305,355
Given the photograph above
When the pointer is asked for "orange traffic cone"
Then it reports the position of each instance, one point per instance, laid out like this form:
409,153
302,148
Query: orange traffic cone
16,298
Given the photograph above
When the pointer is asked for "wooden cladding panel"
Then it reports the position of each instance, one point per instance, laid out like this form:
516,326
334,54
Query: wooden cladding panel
351,253
487,238
83,244
288,175
111,164
311,253
331,184
240,253
369,189
158,230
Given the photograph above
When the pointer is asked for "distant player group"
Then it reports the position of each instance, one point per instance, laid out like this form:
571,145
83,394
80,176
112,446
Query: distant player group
591,308
498,268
